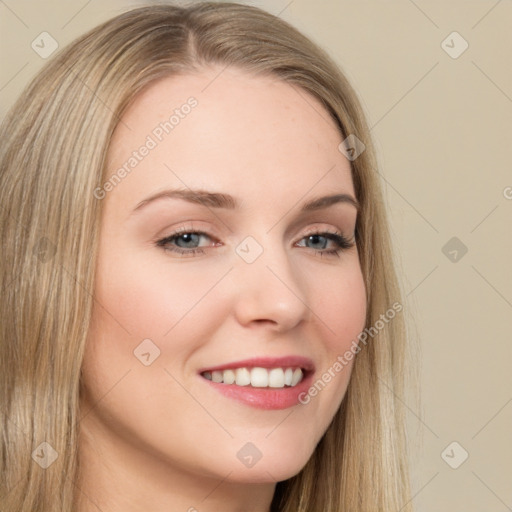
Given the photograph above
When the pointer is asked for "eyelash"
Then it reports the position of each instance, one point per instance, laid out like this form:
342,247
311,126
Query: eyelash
342,243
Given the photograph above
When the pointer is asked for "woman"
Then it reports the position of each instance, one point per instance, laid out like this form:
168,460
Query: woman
200,308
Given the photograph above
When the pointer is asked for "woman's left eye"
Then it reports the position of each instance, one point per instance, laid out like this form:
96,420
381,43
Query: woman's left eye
186,242
340,242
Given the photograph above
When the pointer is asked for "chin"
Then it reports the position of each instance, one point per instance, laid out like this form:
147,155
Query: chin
273,466
266,473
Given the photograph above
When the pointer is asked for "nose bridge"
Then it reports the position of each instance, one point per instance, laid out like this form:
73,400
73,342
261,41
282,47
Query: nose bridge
268,286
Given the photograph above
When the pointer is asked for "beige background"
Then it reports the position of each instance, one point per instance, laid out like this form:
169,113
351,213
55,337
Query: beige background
443,129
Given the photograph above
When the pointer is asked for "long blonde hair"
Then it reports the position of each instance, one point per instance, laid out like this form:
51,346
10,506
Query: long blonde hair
53,152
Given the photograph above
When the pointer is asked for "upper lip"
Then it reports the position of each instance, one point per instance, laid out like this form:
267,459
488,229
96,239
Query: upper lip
266,362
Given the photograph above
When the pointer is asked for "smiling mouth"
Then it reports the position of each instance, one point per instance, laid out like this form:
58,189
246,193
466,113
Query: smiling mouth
257,377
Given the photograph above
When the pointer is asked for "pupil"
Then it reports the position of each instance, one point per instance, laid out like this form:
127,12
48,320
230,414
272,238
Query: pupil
189,237
314,238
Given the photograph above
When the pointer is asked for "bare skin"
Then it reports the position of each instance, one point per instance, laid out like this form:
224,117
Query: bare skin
159,437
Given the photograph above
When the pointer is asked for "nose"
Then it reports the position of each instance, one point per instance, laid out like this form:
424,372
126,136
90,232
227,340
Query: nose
270,290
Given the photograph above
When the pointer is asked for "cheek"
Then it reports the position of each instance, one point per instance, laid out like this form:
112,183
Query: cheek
340,305
150,296
340,308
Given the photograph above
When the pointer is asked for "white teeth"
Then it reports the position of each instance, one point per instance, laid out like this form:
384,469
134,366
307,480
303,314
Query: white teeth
276,378
229,377
257,377
297,376
243,377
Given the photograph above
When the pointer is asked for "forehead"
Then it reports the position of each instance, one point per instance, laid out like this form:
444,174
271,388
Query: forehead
220,129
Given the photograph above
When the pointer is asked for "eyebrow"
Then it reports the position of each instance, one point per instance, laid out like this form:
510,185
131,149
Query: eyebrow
220,200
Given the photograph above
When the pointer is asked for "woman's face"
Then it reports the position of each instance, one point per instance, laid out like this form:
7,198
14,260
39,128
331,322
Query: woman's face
262,287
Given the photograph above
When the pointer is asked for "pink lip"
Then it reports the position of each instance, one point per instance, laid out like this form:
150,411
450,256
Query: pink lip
266,398
266,362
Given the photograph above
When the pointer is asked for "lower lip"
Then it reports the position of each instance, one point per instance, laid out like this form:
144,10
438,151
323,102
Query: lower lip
264,398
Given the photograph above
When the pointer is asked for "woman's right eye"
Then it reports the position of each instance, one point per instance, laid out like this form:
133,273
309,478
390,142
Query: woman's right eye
188,240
